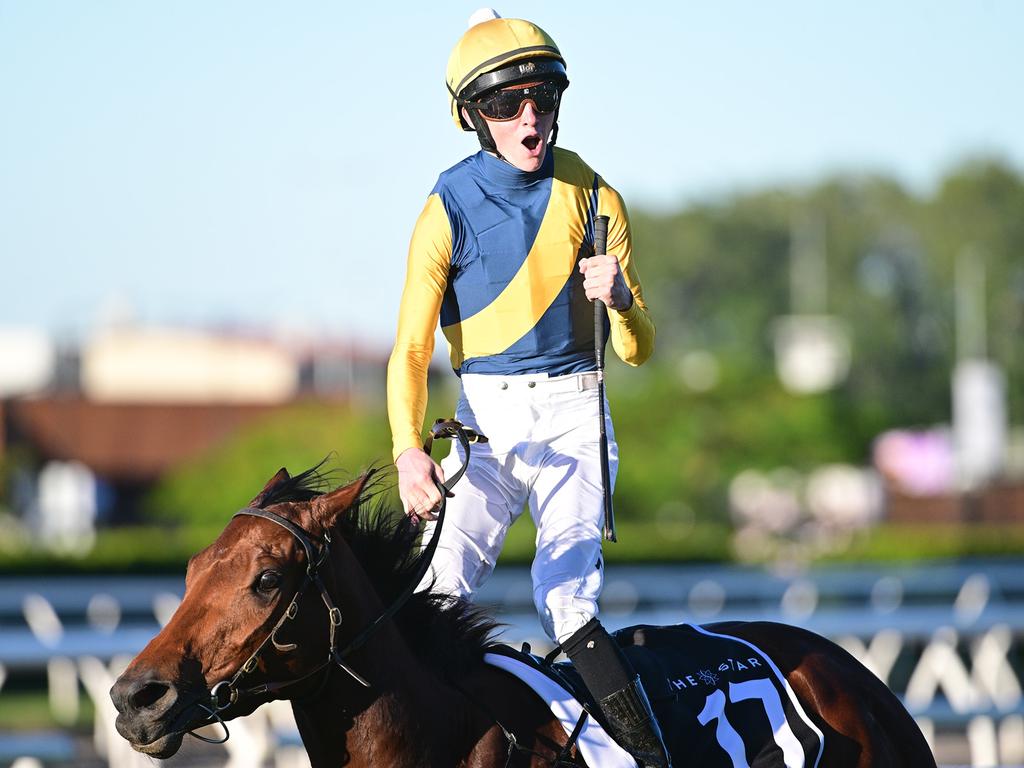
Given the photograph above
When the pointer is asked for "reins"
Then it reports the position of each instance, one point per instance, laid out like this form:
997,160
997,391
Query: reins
443,429
226,692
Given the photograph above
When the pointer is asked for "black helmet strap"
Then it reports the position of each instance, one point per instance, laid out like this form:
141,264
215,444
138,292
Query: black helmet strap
483,132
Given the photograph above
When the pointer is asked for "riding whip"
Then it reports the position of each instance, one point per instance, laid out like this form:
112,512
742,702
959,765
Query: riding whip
600,248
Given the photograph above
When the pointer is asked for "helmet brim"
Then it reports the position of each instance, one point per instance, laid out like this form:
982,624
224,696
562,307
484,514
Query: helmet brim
518,72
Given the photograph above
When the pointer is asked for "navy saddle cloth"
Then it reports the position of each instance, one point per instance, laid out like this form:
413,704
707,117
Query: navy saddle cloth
720,702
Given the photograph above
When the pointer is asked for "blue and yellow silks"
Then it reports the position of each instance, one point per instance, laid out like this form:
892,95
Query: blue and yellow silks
495,256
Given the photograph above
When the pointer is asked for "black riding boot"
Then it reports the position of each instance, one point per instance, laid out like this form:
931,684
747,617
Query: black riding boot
612,681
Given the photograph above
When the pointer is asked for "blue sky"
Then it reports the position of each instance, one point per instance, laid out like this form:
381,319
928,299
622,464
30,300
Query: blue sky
263,163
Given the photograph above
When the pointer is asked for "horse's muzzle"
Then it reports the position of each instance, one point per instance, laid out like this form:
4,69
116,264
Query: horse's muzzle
147,714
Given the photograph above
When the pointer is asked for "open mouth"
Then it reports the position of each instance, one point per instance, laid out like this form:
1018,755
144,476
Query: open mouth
531,142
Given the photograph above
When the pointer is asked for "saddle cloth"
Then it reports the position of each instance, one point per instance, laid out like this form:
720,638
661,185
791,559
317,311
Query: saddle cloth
721,701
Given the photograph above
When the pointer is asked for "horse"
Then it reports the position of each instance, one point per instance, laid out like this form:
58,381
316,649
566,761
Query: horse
308,595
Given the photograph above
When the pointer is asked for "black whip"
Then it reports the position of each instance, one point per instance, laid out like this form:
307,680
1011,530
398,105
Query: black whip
600,248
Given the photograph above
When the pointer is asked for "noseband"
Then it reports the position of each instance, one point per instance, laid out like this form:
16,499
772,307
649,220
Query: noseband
227,692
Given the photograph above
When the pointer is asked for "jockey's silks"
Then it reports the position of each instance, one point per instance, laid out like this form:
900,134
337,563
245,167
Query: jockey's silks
495,254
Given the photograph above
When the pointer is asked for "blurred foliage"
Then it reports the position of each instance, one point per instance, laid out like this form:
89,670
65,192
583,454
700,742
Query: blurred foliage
717,275
934,541
162,550
207,490
680,449
29,710
128,549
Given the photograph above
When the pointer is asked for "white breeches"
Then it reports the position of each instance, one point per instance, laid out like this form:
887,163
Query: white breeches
544,451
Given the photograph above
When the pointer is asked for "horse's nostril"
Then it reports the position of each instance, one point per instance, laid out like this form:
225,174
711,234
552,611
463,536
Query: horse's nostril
141,694
148,695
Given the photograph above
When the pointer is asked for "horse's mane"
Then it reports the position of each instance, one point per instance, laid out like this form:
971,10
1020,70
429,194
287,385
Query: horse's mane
449,634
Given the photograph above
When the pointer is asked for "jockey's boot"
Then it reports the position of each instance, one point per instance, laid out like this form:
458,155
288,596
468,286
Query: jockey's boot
616,686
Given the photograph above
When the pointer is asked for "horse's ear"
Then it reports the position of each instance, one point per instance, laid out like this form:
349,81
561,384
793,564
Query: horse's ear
327,508
276,480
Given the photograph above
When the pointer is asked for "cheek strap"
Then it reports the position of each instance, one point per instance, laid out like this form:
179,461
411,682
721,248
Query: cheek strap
483,131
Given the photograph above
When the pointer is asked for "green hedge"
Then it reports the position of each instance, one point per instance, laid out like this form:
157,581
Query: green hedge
165,550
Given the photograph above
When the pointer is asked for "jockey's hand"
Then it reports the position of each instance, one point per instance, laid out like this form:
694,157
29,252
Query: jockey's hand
602,279
416,473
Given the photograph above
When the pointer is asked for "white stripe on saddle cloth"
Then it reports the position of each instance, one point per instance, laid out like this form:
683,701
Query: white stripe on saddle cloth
597,747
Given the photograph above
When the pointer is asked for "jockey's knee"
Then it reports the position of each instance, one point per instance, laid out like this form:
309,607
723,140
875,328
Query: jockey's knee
561,615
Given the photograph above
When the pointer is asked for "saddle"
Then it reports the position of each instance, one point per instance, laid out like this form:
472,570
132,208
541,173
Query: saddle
720,701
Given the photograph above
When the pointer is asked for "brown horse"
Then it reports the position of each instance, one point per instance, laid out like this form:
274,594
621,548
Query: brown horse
307,596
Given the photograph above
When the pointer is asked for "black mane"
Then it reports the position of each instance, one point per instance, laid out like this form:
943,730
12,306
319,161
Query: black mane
304,486
450,634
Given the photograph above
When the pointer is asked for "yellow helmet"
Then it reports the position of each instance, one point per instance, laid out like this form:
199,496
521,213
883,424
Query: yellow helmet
497,53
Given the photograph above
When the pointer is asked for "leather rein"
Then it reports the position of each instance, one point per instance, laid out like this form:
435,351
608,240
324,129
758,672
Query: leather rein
227,692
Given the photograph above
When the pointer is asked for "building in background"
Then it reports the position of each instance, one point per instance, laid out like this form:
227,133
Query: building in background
103,421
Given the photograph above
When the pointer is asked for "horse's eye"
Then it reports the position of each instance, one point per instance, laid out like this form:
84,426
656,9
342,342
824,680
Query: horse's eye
268,581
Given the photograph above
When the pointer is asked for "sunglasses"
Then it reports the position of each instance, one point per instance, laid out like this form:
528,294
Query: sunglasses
509,104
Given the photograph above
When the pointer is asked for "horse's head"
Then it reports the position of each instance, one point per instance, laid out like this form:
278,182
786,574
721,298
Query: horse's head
256,617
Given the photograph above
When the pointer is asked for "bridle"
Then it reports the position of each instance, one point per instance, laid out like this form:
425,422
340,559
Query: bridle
227,692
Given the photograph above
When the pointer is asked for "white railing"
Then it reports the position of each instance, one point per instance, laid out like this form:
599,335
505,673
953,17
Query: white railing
946,639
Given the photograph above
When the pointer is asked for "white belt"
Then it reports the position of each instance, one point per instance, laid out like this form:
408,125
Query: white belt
572,382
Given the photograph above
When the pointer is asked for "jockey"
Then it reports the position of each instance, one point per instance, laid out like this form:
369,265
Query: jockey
502,255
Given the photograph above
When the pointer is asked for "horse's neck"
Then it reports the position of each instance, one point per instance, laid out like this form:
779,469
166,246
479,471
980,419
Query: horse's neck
407,720
411,718
423,723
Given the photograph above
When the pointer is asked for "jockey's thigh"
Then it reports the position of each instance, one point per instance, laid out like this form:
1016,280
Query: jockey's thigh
567,506
488,498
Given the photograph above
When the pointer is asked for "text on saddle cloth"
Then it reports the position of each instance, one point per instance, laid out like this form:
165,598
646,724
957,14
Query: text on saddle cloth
720,701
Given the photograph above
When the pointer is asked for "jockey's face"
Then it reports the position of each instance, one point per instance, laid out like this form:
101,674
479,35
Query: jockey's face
523,140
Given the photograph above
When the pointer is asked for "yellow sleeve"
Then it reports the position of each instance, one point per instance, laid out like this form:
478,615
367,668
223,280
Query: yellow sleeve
426,279
632,330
